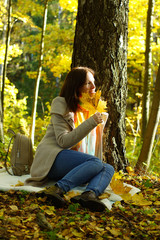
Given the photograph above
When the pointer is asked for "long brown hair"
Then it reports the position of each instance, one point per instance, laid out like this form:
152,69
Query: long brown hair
75,79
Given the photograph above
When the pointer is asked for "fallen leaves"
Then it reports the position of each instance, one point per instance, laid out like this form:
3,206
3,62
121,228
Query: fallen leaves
71,194
137,199
14,208
157,203
42,221
118,186
24,216
115,232
14,220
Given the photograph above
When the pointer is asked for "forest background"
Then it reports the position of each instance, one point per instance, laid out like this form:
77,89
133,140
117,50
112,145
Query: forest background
23,61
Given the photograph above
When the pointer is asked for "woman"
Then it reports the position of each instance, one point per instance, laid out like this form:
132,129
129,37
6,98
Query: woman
57,157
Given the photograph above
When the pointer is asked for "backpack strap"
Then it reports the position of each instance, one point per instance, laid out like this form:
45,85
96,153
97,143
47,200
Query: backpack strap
5,161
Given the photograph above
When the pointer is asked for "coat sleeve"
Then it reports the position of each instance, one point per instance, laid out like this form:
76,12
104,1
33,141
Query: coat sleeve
67,137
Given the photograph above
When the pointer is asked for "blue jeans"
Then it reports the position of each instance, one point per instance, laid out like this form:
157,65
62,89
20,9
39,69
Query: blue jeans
72,169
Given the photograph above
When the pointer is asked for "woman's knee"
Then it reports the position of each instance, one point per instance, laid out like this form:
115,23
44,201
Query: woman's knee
109,168
96,162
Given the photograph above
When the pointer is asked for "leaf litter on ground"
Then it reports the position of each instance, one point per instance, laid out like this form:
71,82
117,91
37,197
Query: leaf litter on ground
25,216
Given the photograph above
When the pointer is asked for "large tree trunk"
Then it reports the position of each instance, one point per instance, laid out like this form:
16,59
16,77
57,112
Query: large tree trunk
4,70
101,43
146,151
35,100
147,76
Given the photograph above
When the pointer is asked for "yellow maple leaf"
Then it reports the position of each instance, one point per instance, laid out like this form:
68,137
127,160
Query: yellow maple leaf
94,104
101,107
96,98
118,186
126,197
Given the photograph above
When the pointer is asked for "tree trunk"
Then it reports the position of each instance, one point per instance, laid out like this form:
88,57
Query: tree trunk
101,43
3,43
147,76
38,73
146,151
4,70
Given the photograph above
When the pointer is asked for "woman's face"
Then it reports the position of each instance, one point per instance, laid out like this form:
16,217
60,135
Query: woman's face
89,86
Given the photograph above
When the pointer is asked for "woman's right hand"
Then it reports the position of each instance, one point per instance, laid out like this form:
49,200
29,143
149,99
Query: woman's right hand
98,117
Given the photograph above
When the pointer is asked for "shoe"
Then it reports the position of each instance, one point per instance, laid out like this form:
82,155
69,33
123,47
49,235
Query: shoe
89,200
55,194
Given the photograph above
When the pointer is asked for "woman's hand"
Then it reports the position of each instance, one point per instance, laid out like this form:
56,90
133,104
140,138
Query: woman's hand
98,117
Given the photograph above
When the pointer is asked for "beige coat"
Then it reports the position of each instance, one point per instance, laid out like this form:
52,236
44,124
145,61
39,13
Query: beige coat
61,134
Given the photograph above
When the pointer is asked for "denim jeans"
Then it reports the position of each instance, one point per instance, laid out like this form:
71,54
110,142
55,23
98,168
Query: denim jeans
72,169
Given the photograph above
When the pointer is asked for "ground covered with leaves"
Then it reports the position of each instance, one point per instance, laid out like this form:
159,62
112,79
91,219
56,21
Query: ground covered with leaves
25,216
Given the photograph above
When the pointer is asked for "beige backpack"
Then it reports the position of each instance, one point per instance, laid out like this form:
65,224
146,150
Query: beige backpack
21,154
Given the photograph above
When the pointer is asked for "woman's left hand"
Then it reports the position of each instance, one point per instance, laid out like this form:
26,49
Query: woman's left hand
98,117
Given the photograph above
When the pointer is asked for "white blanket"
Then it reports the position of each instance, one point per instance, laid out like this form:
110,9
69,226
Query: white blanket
8,182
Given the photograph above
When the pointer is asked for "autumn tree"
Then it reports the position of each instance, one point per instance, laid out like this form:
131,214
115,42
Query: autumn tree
59,36
39,71
146,151
5,70
148,60
2,22
101,43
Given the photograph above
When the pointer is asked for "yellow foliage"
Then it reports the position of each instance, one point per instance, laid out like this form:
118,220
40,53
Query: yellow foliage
14,51
70,5
33,7
61,64
118,186
137,32
15,109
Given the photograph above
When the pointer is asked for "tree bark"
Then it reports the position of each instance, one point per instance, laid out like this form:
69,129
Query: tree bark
35,99
146,151
4,71
147,76
101,43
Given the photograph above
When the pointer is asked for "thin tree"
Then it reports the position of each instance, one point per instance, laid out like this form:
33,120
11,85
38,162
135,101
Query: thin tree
3,41
147,76
101,43
35,99
4,70
146,151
